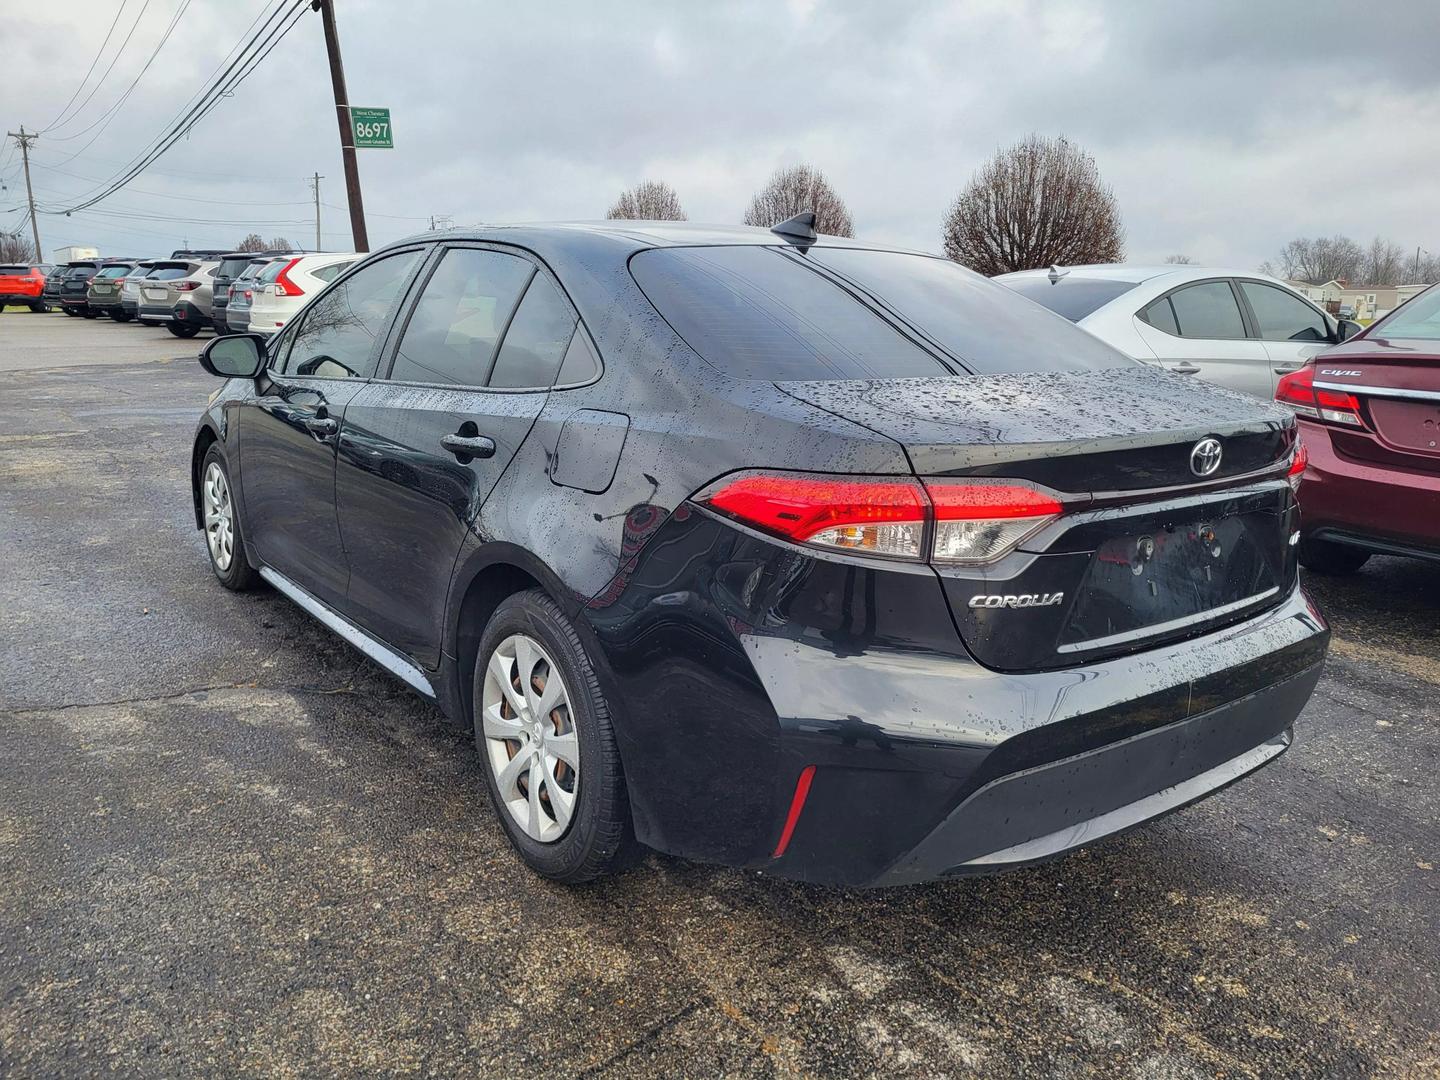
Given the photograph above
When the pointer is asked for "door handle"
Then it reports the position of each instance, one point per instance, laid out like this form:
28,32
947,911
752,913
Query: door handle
469,446
321,425
1286,369
1185,368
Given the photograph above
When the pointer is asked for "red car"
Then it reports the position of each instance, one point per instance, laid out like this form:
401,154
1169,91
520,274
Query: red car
1369,414
22,284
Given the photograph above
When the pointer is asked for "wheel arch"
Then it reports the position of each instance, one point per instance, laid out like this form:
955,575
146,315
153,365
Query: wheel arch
204,439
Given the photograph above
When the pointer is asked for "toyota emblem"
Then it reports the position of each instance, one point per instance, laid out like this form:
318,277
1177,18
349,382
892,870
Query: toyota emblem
1205,457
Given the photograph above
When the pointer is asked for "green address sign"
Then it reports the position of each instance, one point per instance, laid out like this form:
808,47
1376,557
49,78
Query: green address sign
371,128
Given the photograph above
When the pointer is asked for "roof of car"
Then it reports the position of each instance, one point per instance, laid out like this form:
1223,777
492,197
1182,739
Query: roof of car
639,234
1139,272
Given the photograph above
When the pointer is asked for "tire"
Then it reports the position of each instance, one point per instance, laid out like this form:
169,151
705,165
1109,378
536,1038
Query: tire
597,839
1326,557
69,311
90,313
40,309
148,322
180,330
236,573
121,316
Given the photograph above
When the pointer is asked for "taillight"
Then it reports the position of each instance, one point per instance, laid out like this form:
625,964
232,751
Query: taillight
978,522
876,517
1298,390
88,280
967,522
1298,461
186,286
283,285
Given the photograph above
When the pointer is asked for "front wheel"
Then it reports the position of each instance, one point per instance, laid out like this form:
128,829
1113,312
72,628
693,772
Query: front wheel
181,330
1327,557
223,535
546,744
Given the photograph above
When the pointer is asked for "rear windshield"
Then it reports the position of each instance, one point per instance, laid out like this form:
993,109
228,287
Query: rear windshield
754,313
1418,319
167,273
759,312
113,272
79,272
1069,296
272,270
231,267
12,270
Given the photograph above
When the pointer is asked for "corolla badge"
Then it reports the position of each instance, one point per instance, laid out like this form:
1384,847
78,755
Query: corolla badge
1205,457
1007,600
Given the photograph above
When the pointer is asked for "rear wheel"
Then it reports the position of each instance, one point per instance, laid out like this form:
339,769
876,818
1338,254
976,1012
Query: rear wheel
69,311
90,313
181,330
223,537
120,315
546,744
1326,557
40,309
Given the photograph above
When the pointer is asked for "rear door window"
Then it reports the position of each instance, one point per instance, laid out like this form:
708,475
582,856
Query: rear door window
754,313
537,339
1207,310
329,273
1282,317
1162,316
464,308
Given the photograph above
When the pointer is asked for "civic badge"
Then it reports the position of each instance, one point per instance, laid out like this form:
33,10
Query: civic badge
1205,457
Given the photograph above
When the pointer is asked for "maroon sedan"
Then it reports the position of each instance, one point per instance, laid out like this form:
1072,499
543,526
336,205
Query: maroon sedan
1369,413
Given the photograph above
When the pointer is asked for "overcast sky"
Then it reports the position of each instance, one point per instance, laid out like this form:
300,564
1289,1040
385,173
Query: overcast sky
1225,127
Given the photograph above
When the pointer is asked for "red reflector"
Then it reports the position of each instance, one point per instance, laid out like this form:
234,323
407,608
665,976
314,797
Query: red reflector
798,506
1300,460
802,791
989,502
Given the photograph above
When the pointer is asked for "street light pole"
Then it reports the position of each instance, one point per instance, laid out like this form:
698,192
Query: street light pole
25,139
342,116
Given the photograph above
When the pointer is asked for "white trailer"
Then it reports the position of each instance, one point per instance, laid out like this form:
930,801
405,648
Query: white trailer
70,254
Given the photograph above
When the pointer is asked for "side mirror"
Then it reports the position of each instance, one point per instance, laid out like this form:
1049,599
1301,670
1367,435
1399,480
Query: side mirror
1345,329
236,356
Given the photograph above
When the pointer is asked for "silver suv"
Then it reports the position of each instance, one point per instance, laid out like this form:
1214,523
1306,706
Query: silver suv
177,293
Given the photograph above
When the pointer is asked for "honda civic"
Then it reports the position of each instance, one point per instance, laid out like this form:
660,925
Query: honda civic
767,549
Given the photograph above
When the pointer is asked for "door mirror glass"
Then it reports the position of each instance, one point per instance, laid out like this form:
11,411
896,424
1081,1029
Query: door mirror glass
238,356
1345,330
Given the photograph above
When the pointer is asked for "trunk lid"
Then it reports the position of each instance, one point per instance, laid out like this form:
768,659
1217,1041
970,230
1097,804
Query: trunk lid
1397,383
1145,551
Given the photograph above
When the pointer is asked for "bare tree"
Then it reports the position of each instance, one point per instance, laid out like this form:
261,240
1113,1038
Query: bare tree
651,200
1039,203
280,243
15,248
1425,269
252,242
1317,261
1383,263
1179,260
794,191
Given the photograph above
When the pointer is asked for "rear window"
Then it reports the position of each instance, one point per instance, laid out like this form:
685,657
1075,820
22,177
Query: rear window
113,272
272,270
986,325
231,267
12,270
1418,319
79,272
331,272
167,273
1069,296
756,313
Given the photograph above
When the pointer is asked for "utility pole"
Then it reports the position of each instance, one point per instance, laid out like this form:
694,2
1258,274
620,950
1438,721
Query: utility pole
315,183
342,116
25,140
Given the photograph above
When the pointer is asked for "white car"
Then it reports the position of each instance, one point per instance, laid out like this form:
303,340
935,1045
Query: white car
1237,328
287,285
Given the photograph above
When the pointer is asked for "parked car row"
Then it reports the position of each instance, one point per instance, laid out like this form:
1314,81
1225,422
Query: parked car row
1368,399
228,292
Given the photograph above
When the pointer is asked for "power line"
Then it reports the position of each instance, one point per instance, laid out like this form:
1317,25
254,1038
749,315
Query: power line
160,194
113,23
251,54
101,81
109,115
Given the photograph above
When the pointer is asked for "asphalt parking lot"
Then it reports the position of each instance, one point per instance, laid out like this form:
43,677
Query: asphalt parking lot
228,844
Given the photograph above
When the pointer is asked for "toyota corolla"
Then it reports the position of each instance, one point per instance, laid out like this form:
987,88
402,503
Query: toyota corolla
768,549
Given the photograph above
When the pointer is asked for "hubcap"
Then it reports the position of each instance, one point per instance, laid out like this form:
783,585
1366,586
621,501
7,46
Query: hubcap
530,740
219,516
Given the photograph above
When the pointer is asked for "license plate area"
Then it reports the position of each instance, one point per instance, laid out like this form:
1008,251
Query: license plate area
1407,425
154,294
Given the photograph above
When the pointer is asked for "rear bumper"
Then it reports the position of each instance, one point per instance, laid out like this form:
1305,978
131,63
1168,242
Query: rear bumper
1383,510
156,312
187,312
79,303
237,320
102,303
19,298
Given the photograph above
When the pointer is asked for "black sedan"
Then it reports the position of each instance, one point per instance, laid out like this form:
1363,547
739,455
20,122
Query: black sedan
770,550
